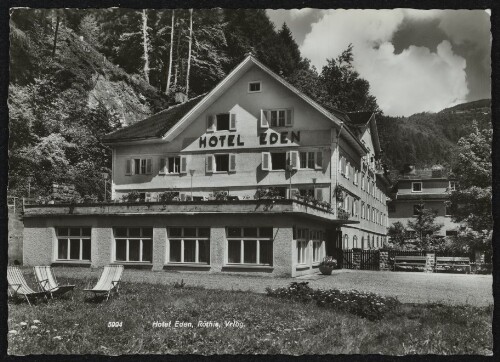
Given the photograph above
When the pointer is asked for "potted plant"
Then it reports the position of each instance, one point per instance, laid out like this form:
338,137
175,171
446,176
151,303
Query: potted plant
327,265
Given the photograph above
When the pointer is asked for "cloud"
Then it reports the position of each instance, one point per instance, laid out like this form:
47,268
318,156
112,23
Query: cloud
415,80
300,13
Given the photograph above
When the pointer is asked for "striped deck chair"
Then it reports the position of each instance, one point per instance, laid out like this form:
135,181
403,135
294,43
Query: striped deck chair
48,283
19,286
109,280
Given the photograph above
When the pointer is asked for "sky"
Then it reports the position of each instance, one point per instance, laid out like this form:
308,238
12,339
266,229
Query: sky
415,60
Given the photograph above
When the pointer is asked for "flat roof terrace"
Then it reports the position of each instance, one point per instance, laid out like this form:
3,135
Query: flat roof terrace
243,207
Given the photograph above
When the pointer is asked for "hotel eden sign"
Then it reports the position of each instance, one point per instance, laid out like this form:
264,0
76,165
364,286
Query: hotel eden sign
234,140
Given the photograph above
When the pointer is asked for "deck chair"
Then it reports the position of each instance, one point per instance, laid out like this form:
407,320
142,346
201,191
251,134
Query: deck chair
48,283
109,280
19,286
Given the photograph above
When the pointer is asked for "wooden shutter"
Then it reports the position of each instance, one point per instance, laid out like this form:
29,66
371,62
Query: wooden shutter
183,164
341,163
266,161
128,167
209,163
294,159
318,194
149,166
264,121
319,160
162,166
210,123
232,162
288,120
232,122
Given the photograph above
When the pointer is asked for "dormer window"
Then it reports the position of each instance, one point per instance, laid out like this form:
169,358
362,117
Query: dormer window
254,87
416,187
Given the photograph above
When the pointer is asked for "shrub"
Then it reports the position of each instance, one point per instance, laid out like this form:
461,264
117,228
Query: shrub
168,195
131,196
219,195
269,193
342,214
363,304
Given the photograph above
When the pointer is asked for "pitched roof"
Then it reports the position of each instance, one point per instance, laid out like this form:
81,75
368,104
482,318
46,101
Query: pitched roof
154,126
359,118
170,122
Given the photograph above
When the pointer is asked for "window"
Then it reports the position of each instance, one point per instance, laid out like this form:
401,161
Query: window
346,242
363,182
138,166
417,209
253,87
249,245
311,160
368,212
416,187
188,245
306,192
73,243
342,166
316,251
134,244
301,236
222,122
277,117
362,209
278,160
452,185
170,165
221,163
355,241
356,176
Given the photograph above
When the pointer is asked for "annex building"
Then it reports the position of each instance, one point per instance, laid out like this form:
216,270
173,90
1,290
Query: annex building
253,177
416,189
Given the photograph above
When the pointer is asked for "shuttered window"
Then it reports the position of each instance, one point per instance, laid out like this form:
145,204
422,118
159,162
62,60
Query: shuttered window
266,161
276,118
139,166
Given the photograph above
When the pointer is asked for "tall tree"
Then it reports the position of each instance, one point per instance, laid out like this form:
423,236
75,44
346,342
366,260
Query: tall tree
470,203
145,44
56,32
189,50
347,91
169,75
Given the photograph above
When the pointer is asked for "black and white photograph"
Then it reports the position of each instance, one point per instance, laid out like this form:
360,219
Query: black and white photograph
256,181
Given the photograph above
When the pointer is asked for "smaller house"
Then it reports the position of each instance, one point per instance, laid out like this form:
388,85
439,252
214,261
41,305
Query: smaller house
425,188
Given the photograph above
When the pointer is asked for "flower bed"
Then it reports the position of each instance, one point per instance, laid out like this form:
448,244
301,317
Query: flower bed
366,305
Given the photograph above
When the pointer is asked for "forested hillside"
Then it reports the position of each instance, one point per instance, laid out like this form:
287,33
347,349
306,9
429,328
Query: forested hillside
76,75
425,139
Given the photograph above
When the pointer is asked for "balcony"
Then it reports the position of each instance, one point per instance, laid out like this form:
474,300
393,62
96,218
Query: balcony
243,207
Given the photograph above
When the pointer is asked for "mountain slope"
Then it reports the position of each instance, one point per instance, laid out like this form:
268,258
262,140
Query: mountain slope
425,139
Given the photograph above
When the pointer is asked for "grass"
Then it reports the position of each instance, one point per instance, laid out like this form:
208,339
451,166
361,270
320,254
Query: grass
270,325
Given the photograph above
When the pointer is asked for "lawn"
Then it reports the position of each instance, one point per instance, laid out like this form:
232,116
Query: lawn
260,324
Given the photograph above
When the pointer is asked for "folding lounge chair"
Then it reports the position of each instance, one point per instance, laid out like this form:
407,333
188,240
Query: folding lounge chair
48,283
19,286
109,280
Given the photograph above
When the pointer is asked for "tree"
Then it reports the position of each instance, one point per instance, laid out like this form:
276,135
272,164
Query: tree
347,91
189,50
397,235
145,44
169,75
470,203
89,29
424,230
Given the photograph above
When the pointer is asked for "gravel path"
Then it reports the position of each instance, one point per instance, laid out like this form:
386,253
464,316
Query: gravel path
409,287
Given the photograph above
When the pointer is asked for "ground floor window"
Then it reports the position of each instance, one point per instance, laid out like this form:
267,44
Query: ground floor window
73,243
134,244
188,245
249,245
301,236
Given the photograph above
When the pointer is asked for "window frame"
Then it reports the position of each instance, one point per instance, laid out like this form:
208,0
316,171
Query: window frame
148,166
313,159
258,239
416,183
68,239
127,238
253,83
182,238
271,163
